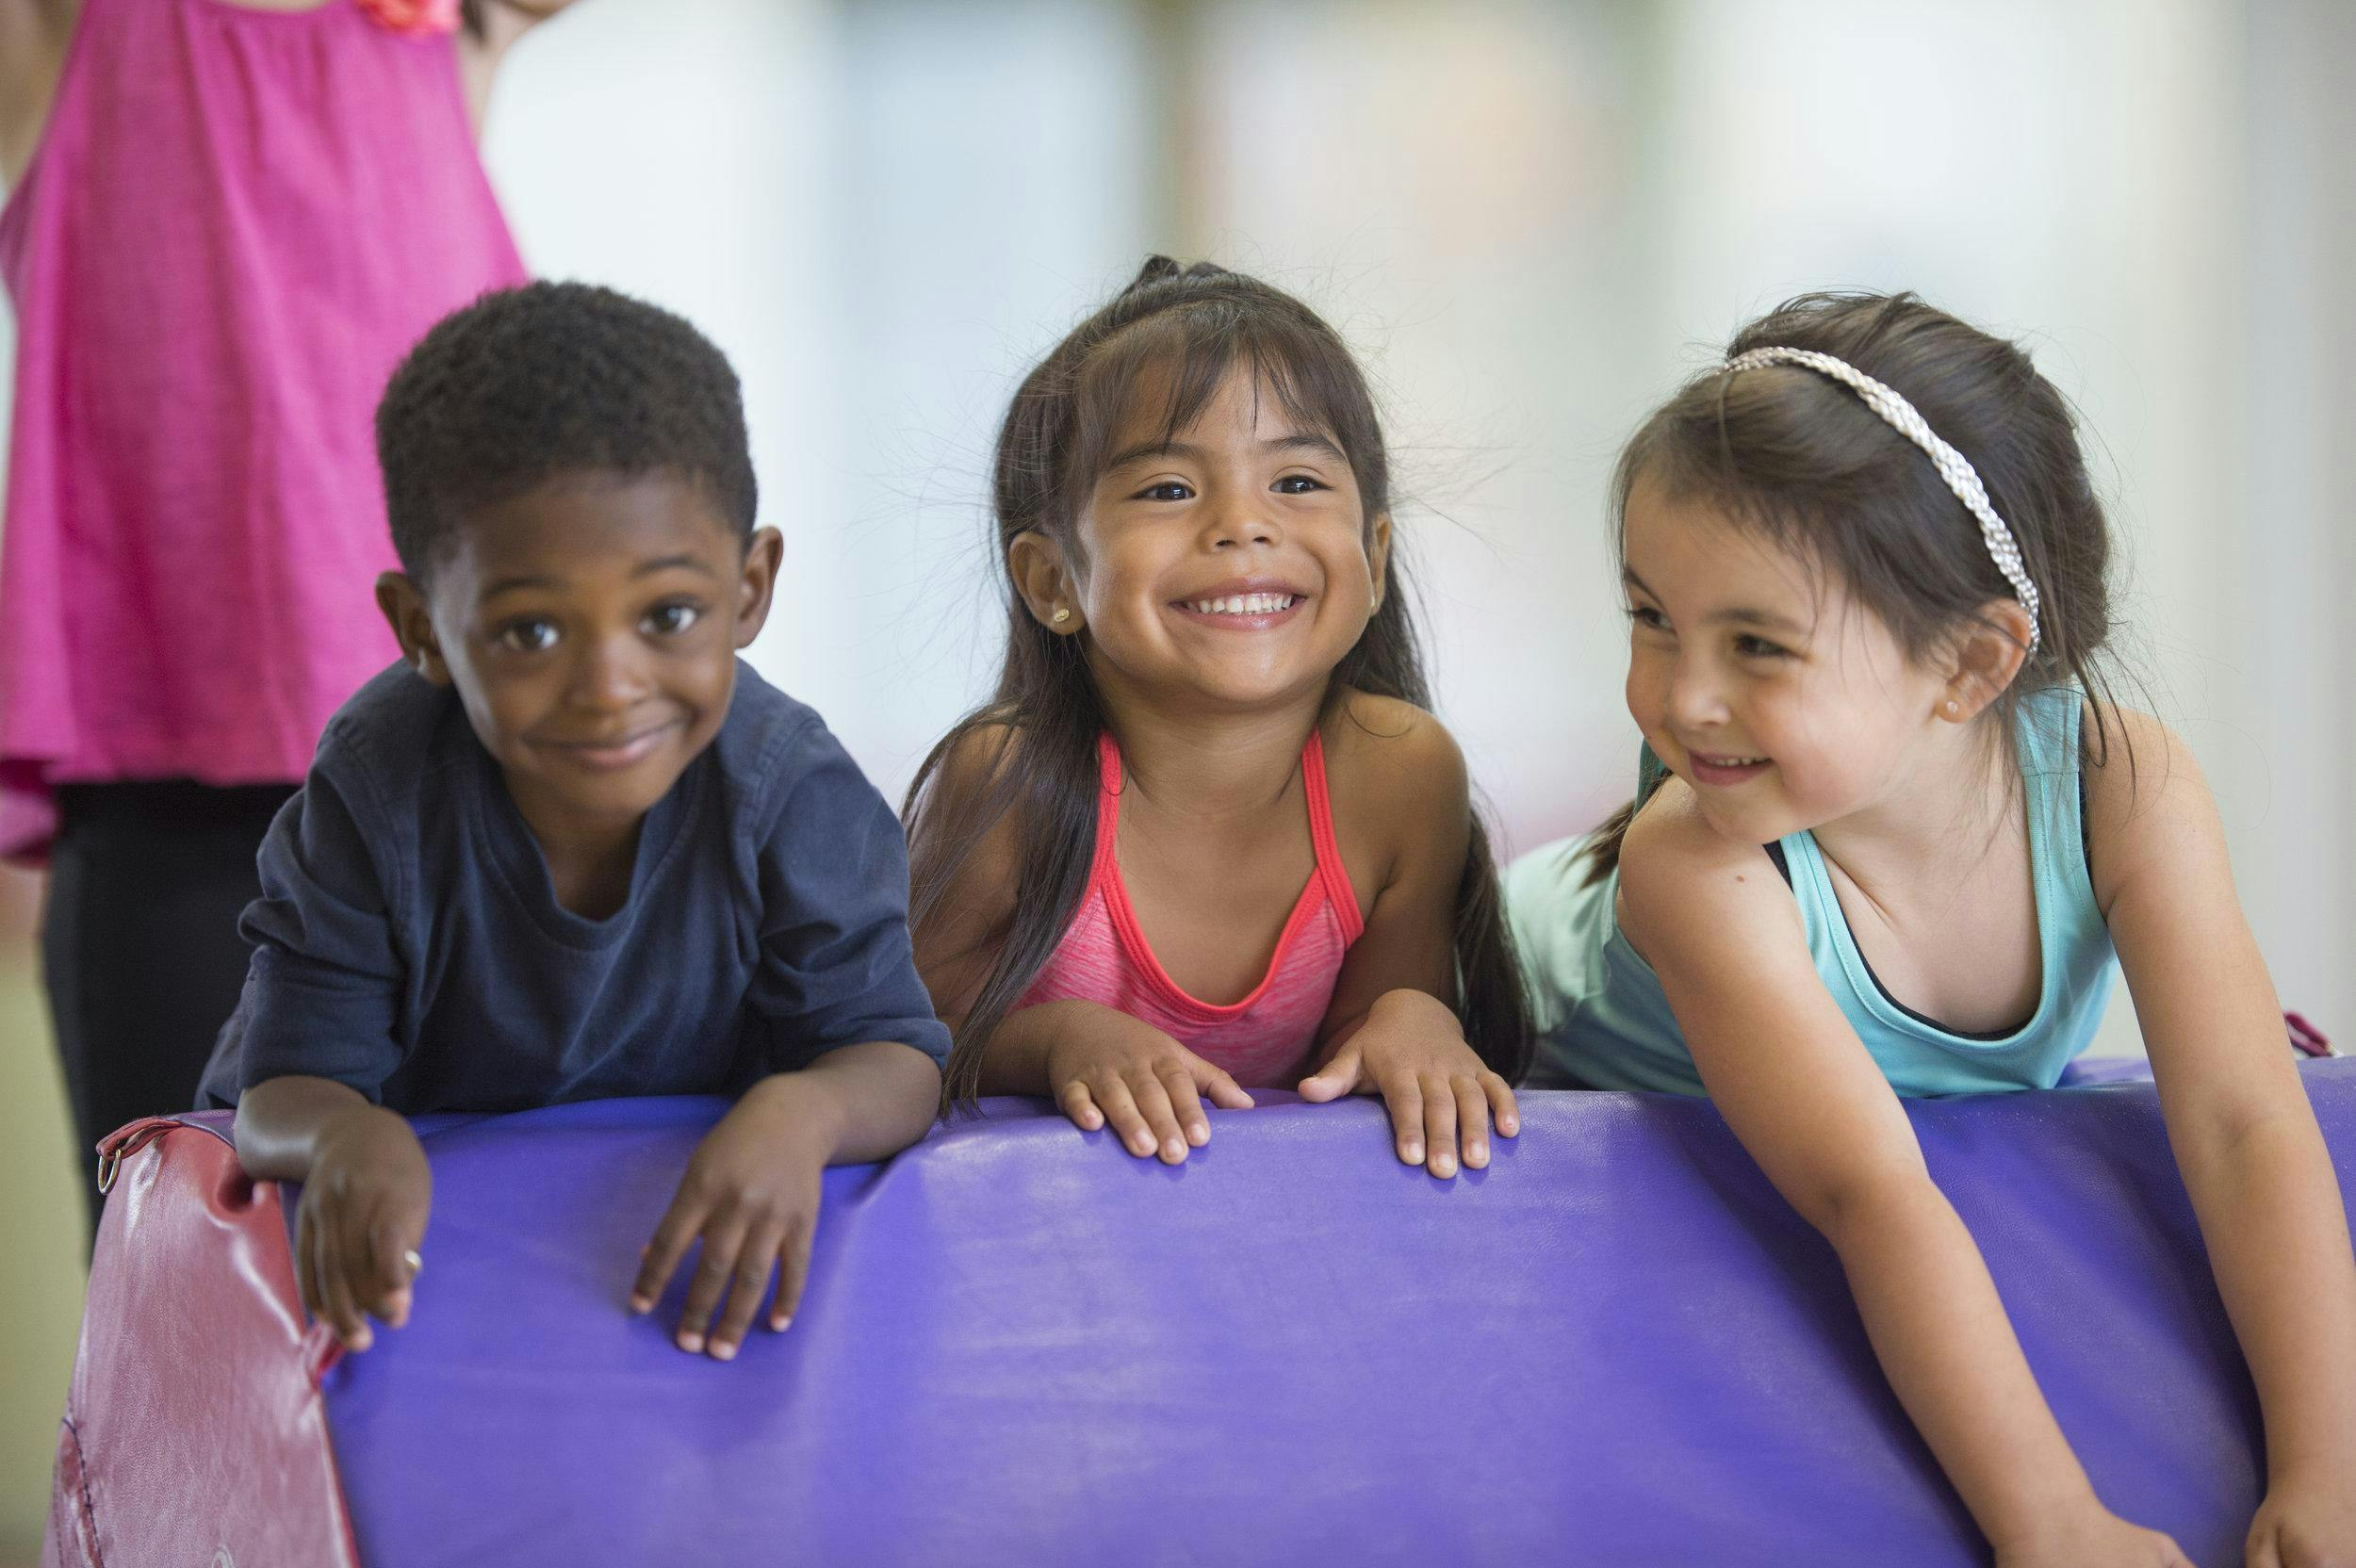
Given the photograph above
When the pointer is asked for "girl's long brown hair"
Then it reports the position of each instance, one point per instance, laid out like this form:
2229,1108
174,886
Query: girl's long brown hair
1199,323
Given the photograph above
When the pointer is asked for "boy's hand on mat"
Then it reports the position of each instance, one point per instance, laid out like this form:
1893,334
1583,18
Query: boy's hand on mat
1443,1099
1144,1084
2306,1525
359,1224
750,1195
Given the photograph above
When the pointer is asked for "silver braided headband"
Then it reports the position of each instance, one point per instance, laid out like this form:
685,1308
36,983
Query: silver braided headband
1953,465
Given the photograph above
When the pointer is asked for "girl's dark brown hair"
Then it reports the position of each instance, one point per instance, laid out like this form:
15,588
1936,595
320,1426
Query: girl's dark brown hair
1198,324
1799,460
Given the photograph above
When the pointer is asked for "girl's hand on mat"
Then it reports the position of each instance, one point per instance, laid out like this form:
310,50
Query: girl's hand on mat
1144,1084
360,1222
750,1195
1443,1099
2306,1525
2094,1539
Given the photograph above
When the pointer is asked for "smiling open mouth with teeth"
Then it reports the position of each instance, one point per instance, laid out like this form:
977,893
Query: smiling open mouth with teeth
1244,604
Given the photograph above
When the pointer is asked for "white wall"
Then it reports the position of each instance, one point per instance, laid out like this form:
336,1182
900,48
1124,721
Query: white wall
1540,218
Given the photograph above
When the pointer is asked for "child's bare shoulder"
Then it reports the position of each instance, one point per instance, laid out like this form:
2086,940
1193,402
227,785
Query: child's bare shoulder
2148,803
955,802
1680,876
1387,750
976,755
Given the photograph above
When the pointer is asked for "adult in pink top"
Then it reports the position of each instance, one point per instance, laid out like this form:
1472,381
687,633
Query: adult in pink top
226,220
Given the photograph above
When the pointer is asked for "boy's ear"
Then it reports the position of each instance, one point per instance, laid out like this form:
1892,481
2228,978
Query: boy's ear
1035,563
764,553
403,604
1984,660
1379,555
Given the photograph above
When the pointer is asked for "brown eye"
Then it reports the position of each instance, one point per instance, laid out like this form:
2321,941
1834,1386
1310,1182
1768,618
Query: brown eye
532,636
669,620
1167,490
1299,484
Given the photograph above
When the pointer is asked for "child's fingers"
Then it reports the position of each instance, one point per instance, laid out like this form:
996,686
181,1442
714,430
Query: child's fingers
1335,1079
1122,1114
748,1286
306,1269
1405,1104
1472,1120
1220,1086
1504,1109
793,1270
724,1238
1080,1106
388,1257
1160,1117
1439,1125
660,1259
336,1292
1184,1106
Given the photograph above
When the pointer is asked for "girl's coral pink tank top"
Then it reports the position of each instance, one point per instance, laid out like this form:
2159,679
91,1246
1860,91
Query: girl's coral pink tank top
236,223
1269,1037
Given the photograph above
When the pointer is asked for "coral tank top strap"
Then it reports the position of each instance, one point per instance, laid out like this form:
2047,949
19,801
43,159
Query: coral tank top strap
1330,865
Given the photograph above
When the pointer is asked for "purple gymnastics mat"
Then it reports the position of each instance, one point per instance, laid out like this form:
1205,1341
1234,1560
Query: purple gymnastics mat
1020,1346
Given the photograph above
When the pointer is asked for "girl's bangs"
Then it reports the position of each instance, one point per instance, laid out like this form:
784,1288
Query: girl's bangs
1194,354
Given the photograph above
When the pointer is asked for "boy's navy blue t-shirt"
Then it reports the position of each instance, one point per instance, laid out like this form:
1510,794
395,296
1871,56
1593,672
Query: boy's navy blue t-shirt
408,941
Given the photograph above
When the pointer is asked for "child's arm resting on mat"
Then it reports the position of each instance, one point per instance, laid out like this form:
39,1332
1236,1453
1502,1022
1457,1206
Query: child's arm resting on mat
2253,1158
835,1003
750,1194
1799,1090
1097,1064
1391,1028
366,1194
1102,1066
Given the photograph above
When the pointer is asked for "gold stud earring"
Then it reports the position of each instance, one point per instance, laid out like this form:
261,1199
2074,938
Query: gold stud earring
1062,615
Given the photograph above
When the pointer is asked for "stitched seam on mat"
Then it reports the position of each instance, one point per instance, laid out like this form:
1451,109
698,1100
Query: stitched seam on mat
81,1486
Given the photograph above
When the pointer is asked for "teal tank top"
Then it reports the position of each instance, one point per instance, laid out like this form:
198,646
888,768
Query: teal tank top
1603,1021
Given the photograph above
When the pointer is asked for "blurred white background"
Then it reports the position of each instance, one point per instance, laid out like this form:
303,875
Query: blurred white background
1532,220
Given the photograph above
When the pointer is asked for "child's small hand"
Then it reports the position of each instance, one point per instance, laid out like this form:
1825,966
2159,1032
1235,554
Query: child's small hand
1442,1097
1144,1083
750,1195
2304,1525
2094,1539
360,1221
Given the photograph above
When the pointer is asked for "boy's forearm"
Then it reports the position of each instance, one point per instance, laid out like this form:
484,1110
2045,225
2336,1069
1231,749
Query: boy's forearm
871,1100
2270,1212
1941,1336
282,1122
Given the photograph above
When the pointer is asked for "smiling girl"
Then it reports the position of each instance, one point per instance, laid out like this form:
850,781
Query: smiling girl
1206,837
1890,833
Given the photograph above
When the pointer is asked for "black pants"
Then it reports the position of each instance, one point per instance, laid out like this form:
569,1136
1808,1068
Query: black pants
139,949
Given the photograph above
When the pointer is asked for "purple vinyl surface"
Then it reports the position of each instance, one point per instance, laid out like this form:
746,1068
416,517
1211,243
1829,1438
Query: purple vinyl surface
1618,1346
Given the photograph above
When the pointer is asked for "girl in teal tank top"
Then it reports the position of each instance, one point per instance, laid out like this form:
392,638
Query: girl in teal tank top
1889,834
1603,1021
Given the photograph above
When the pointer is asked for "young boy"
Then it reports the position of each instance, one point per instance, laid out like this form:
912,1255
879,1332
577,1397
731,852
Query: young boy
569,847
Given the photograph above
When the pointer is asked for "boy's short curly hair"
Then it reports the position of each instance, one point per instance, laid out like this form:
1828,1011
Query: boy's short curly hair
526,383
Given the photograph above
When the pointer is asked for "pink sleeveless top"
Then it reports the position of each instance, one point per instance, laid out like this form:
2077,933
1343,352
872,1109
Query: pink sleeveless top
1268,1037
236,223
